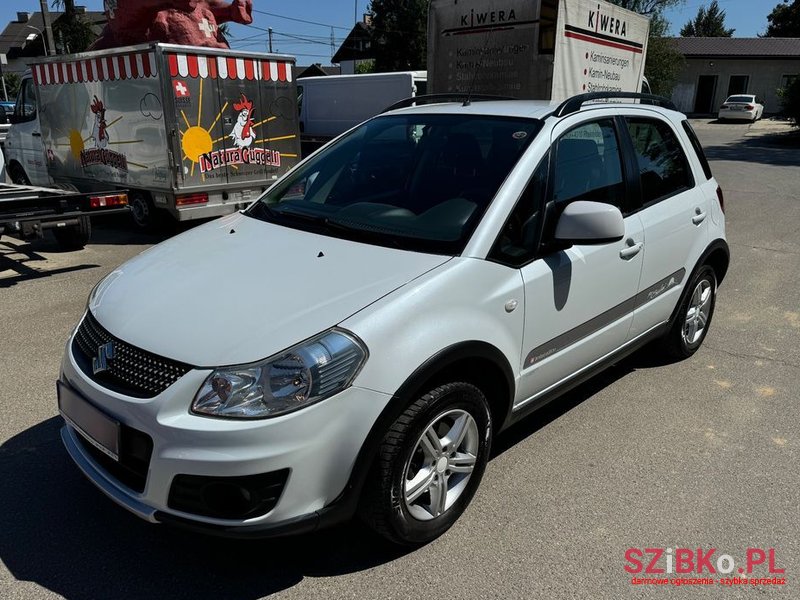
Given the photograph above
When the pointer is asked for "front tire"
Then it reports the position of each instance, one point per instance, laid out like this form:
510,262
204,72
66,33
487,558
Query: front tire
694,315
429,465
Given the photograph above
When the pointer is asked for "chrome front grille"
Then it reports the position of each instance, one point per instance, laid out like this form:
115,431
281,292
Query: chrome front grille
130,370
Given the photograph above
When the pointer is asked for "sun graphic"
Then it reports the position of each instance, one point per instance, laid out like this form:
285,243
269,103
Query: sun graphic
74,140
196,140
76,143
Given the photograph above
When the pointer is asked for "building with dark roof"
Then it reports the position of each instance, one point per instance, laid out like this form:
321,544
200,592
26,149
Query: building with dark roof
717,67
24,38
356,48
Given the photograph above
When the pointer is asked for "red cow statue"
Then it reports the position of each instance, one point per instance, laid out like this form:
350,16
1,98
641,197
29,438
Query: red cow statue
185,22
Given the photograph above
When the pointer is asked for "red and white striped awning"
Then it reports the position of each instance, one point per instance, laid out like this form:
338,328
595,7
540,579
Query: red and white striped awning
136,65
228,67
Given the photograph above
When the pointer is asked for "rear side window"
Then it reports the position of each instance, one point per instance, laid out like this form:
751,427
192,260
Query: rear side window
698,149
663,168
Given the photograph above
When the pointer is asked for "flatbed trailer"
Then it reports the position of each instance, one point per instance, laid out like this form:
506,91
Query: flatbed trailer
26,212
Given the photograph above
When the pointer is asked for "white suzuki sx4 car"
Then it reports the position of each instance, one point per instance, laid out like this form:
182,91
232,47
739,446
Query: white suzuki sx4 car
353,341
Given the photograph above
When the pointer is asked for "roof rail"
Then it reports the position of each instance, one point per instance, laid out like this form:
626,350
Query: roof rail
435,98
574,104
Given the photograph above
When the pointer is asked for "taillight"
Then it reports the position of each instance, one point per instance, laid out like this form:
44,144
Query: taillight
191,199
750,107
108,200
721,199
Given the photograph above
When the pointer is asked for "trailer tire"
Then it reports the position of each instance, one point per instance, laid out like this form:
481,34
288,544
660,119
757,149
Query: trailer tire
74,237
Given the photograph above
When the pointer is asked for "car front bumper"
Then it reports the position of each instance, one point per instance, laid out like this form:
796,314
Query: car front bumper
317,446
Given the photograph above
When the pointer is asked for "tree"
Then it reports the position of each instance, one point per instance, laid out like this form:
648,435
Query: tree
399,40
790,100
649,8
72,31
784,20
664,63
12,81
709,22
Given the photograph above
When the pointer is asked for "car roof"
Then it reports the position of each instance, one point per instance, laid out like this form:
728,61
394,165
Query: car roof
528,109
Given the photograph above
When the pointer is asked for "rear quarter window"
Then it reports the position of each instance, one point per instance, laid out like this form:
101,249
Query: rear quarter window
698,149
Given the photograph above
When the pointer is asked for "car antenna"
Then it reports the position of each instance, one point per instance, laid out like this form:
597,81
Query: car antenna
478,67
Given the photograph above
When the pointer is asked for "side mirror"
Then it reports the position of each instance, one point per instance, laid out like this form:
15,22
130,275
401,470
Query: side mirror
584,222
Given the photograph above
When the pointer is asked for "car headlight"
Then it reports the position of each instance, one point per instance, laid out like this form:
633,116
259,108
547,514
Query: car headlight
293,379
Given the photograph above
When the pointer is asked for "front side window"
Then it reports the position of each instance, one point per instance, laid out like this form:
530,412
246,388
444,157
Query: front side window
26,101
588,165
663,168
419,182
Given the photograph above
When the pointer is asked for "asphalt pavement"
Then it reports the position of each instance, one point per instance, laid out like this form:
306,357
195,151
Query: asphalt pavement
697,454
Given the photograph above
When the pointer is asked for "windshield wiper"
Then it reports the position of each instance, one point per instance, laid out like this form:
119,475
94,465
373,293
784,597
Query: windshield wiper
383,236
261,211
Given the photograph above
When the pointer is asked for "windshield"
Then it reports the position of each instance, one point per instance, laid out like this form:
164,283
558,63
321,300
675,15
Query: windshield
416,181
740,99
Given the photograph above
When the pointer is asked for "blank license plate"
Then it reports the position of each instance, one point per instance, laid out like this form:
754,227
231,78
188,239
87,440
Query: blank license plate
100,430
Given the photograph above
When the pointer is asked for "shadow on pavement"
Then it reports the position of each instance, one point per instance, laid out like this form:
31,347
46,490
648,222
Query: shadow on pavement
63,534
780,149
645,358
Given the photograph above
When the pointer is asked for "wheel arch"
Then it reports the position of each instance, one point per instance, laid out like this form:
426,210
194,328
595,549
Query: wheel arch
475,362
717,256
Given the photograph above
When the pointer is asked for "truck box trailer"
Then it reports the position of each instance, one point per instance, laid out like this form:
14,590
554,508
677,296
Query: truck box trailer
535,49
195,132
331,105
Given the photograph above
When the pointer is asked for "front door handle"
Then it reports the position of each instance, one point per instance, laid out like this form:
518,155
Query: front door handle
632,249
699,216
36,134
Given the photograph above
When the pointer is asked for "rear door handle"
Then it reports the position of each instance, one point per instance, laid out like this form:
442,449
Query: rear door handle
631,251
36,134
699,216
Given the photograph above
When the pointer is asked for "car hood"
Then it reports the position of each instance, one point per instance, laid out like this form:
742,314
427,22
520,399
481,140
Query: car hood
238,290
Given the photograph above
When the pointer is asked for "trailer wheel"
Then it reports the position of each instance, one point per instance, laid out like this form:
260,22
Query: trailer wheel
74,237
144,213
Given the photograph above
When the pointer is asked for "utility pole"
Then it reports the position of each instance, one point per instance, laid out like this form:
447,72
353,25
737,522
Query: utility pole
333,44
48,29
355,12
269,30
3,61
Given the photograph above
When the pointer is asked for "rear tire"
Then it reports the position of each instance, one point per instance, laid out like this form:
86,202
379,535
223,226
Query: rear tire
694,316
429,465
74,237
143,211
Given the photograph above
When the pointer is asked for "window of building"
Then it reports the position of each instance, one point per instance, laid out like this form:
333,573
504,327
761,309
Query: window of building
738,84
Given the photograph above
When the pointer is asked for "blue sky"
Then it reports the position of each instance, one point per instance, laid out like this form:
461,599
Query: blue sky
748,17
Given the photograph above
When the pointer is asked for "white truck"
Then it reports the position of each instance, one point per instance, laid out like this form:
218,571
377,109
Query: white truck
190,132
331,105
535,49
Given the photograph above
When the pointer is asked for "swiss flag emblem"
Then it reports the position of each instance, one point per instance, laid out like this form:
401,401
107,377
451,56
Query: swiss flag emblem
181,89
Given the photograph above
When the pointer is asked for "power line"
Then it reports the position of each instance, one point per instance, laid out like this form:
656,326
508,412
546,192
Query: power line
263,12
